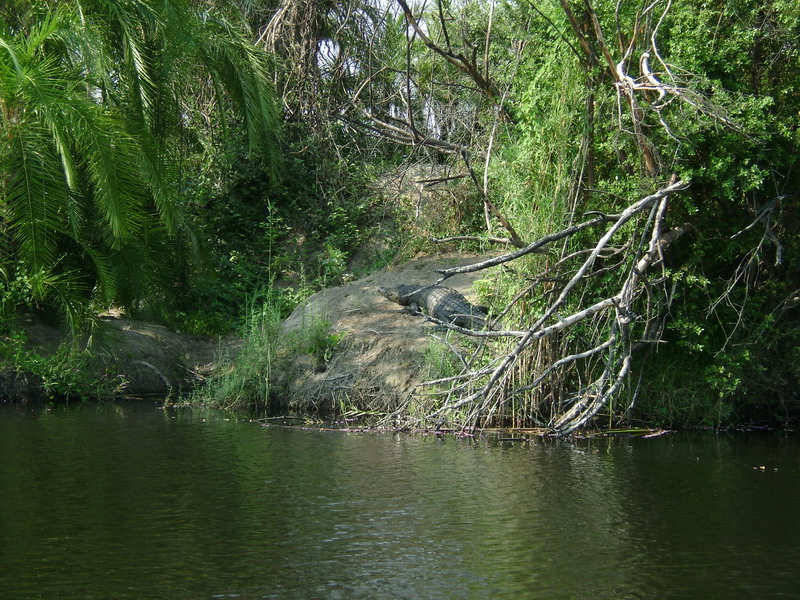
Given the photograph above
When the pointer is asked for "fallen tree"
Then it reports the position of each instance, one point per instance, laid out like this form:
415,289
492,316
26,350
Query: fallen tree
622,322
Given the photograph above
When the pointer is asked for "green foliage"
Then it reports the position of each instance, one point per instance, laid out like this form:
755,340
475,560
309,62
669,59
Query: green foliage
735,139
535,170
315,339
247,382
15,294
66,375
95,103
439,361
297,233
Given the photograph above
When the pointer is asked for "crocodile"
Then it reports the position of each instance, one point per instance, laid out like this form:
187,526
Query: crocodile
441,303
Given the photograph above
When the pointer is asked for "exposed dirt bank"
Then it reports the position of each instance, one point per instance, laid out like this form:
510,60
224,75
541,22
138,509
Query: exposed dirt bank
153,360
381,358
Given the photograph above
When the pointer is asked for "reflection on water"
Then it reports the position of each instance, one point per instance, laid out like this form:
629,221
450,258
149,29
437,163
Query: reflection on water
133,502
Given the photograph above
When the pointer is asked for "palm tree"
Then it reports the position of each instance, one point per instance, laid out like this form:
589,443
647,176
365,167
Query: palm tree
98,103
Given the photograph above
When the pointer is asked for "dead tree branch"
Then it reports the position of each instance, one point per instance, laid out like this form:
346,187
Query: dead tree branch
459,61
636,93
490,207
538,245
482,392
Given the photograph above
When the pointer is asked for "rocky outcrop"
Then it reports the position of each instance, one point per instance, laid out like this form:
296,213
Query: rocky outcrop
380,359
152,359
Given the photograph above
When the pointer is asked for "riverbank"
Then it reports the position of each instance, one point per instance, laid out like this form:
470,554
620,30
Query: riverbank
379,357
135,358
345,352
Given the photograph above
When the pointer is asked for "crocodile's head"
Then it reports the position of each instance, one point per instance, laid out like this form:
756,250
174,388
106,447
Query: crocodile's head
400,294
392,294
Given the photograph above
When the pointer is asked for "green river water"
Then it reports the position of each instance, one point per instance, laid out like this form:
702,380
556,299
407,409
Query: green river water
118,501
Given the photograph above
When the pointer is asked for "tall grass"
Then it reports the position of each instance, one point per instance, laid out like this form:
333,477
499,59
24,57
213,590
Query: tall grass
244,382
247,382
535,170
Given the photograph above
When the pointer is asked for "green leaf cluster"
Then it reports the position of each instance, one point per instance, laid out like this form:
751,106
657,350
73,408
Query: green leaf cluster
99,105
731,130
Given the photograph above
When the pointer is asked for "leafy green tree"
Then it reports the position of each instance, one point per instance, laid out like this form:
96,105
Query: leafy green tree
576,107
100,105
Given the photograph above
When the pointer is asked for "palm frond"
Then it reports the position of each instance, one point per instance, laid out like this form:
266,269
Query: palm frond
95,96
106,286
242,71
34,196
66,290
155,170
117,190
10,51
127,21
